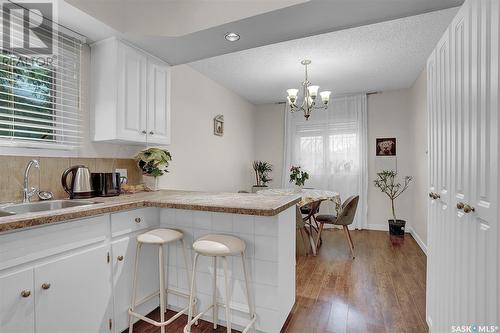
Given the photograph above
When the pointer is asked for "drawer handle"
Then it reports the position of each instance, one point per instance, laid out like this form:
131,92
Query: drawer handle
46,286
25,293
138,220
120,258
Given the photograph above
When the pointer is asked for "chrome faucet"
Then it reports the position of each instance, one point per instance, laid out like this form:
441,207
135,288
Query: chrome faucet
27,191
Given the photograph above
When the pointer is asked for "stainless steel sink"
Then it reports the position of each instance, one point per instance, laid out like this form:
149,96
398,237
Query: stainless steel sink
42,206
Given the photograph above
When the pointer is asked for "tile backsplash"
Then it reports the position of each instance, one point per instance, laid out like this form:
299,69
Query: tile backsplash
48,177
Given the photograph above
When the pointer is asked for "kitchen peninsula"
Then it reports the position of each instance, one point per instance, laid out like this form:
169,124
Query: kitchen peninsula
78,262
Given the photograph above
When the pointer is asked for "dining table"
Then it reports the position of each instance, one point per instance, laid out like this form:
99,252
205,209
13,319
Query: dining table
309,195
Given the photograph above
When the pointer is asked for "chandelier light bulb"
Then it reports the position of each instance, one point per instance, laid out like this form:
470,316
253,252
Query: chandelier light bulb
325,96
292,95
313,91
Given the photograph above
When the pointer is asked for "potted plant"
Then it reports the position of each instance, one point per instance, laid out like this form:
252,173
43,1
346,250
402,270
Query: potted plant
298,177
153,163
262,170
386,182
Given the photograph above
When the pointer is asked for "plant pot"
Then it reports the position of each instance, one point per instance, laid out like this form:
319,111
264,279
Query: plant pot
257,188
397,228
151,183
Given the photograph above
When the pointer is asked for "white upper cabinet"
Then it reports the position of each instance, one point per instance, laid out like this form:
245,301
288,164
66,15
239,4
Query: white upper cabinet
130,95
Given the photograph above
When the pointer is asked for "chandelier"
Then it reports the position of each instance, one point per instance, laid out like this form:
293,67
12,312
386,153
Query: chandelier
310,94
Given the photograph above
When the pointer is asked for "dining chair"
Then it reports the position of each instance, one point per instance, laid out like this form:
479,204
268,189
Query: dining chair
308,218
344,219
301,228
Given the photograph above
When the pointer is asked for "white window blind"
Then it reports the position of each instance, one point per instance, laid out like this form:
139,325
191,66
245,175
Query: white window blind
39,93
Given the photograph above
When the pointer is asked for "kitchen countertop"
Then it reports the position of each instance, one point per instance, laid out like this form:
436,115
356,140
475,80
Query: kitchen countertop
223,202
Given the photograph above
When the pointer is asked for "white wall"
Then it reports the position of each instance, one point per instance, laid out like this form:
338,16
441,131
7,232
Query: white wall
201,160
389,115
269,131
418,97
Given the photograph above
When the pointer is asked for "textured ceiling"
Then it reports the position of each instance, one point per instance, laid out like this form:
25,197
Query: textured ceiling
181,31
377,57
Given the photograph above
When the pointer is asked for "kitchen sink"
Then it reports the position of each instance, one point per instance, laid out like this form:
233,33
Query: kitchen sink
41,206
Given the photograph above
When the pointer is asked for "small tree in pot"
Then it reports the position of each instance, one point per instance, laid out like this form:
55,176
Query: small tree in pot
262,170
386,182
153,163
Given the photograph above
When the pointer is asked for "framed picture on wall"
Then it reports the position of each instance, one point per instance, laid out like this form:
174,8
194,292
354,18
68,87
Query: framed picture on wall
219,125
386,147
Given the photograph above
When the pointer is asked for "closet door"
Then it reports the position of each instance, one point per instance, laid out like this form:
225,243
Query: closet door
484,233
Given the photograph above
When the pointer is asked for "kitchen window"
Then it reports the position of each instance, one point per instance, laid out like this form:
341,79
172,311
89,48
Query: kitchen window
40,93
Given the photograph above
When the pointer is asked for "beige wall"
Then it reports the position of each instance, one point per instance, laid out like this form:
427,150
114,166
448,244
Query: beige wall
418,97
269,133
201,160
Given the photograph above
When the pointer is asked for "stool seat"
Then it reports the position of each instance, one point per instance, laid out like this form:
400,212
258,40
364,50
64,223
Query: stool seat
219,245
159,236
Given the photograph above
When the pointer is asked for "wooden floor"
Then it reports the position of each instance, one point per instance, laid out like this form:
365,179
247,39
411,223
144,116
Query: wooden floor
382,290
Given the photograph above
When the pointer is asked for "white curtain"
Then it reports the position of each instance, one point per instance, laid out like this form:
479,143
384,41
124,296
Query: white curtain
332,147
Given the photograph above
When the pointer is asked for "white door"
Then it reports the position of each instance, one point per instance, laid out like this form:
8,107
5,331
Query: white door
158,102
17,302
73,294
463,257
123,256
132,98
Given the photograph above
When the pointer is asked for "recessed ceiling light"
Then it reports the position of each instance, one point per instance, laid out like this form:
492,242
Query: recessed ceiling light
232,36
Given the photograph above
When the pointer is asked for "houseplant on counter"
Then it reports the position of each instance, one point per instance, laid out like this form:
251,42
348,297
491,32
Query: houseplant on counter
153,163
386,182
298,177
262,170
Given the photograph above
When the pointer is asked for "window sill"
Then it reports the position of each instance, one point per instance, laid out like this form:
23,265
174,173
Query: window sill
23,148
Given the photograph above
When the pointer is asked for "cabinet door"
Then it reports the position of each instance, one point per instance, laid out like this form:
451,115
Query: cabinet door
123,257
17,302
158,102
131,113
73,294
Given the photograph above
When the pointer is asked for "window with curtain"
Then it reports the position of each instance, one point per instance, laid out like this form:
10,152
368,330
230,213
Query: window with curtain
39,93
332,147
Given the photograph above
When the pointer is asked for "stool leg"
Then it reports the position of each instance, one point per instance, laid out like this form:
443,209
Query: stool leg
134,288
161,267
226,286
215,310
188,270
251,307
191,295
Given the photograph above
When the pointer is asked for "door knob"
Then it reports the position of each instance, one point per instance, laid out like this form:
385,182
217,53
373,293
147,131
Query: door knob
46,286
468,209
25,293
460,205
120,258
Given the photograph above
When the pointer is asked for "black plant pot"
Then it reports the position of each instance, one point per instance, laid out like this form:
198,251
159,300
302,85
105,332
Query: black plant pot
397,228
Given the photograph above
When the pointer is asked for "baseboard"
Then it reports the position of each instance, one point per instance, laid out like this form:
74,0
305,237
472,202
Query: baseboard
418,240
378,227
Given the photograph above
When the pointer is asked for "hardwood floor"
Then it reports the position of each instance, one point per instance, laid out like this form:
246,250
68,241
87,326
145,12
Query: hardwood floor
382,290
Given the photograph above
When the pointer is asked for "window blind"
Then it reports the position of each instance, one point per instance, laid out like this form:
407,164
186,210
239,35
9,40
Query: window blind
39,93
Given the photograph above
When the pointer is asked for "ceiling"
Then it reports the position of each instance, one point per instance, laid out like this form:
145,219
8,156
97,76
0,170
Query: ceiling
378,57
181,31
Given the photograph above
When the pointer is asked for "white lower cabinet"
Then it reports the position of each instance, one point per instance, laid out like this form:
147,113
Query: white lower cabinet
17,302
72,294
123,251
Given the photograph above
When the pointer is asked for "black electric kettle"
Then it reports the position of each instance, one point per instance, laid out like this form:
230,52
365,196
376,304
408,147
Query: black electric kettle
81,185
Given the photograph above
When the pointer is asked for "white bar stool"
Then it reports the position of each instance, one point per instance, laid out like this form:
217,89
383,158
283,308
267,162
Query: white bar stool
219,246
158,237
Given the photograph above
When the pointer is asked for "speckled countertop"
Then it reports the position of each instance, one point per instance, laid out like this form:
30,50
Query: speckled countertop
235,203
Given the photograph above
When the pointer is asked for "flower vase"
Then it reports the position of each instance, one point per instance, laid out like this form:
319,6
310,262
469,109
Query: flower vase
298,188
151,183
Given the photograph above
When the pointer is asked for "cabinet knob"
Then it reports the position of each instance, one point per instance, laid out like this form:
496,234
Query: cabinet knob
468,209
25,293
151,133
144,132
46,286
460,205
138,220
434,195
120,258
